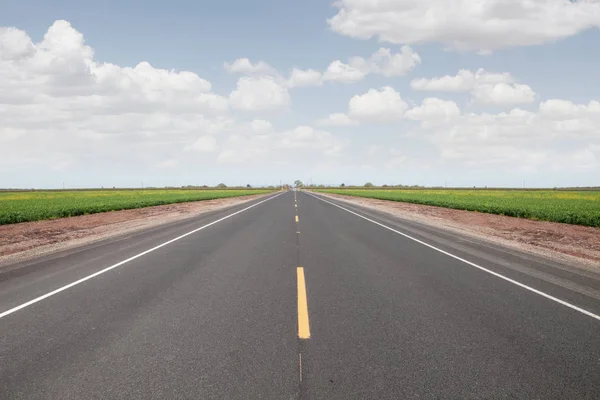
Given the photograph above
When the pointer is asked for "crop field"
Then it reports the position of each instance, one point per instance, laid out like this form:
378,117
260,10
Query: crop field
38,205
571,207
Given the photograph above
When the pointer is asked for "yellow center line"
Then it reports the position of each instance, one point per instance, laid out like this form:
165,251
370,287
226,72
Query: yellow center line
296,218
303,326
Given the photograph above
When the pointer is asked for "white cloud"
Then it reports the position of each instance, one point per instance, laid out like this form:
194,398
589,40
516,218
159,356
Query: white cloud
486,87
485,77
76,109
63,110
465,24
15,44
204,144
259,94
261,126
379,106
245,66
383,62
556,109
301,142
302,78
344,73
338,119
388,64
62,66
519,139
434,109
503,94
463,81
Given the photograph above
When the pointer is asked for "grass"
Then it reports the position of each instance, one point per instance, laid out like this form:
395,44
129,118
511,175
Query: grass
571,207
39,205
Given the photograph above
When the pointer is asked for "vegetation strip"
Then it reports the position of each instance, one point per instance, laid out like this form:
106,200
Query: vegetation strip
18,207
571,207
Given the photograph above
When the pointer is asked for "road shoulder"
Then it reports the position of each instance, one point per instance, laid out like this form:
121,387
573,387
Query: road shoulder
576,246
29,240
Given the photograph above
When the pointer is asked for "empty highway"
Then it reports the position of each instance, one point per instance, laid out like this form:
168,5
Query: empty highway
297,296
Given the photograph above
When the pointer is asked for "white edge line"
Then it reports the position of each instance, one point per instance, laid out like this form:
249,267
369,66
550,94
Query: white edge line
564,303
70,285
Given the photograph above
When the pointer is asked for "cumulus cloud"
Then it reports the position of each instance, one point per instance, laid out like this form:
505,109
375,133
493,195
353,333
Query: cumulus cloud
465,24
302,78
517,139
15,44
503,94
74,108
245,66
557,109
259,94
388,64
337,119
379,106
463,81
434,109
337,71
383,62
486,87
261,126
513,140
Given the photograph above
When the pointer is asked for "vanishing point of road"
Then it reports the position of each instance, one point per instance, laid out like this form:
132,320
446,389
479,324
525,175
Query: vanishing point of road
298,296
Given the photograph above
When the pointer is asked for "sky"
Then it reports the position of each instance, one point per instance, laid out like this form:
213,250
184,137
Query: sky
497,93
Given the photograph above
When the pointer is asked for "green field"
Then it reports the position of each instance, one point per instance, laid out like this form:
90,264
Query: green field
571,207
38,205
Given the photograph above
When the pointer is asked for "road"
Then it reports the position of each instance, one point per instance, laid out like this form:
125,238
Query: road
297,299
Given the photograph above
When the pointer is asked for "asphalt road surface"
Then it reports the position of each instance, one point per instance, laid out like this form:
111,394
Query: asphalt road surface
297,299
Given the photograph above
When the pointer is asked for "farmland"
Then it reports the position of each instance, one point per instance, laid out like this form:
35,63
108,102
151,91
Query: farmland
27,206
572,207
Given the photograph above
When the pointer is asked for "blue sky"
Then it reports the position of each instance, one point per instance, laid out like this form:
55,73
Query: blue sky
528,114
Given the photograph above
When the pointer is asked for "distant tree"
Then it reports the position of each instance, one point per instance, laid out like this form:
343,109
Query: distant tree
343,185
221,186
248,186
298,183
384,186
368,184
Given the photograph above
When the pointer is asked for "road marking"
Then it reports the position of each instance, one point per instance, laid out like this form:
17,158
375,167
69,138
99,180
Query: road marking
296,218
539,292
300,364
303,325
70,285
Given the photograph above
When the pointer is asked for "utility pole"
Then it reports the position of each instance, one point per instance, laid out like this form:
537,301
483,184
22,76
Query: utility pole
63,186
